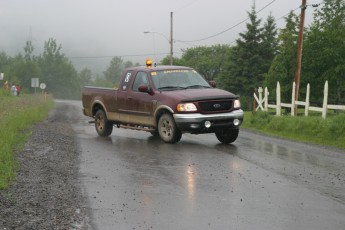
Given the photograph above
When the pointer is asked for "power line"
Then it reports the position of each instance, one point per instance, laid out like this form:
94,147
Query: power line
313,5
232,27
287,14
184,6
188,42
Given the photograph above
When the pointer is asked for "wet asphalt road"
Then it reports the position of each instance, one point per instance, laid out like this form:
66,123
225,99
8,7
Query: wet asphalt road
135,181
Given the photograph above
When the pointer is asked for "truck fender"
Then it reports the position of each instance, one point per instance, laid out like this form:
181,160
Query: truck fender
160,110
97,104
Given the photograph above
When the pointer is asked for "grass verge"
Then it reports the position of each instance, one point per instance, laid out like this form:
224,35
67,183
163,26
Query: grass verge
17,114
312,129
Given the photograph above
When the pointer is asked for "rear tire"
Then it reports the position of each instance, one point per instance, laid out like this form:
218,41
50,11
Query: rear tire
168,130
103,127
226,135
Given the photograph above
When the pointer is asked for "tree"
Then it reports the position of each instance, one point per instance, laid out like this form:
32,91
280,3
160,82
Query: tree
58,73
113,73
284,64
100,81
246,66
176,61
208,61
20,69
54,69
29,48
269,42
130,64
85,77
14,68
324,51
4,62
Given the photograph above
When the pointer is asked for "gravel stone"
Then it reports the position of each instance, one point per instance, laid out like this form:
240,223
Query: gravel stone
47,192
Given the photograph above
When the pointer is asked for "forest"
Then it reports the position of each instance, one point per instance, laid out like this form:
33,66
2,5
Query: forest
262,55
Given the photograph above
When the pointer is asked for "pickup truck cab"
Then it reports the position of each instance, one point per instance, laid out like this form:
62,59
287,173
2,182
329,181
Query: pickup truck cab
166,101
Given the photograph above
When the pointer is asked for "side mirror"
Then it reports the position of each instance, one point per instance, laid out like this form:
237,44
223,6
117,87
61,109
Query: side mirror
144,88
212,83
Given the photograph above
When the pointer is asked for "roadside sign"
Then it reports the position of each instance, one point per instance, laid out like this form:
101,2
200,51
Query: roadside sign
43,86
34,82
1,76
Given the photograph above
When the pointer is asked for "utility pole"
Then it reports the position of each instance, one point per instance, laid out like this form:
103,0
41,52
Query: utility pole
171,38
299,51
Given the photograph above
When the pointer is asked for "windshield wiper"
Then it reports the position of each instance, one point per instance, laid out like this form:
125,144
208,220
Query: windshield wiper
197,86
171,87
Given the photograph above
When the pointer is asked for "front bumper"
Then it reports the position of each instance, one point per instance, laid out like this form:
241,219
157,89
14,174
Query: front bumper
195,122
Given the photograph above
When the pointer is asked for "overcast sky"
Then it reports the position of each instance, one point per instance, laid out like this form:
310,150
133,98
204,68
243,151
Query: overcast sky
96,30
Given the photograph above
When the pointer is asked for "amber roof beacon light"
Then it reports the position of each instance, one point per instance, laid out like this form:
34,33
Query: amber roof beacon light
148,63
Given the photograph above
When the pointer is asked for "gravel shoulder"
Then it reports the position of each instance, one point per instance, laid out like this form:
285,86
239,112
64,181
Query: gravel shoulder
47,193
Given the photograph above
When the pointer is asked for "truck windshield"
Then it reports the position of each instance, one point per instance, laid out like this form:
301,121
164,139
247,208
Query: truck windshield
178,79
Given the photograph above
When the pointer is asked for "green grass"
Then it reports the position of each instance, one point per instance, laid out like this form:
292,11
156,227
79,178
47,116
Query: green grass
17,115
312,129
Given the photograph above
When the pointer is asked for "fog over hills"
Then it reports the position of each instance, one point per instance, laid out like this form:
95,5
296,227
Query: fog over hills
92,32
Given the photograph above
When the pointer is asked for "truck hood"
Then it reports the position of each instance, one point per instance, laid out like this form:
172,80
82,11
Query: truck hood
189,95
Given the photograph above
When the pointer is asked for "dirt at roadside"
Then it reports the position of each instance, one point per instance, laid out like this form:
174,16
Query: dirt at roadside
47,192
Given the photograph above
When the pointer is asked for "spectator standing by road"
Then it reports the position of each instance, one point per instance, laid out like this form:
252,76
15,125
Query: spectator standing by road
18,89
6,85
14,89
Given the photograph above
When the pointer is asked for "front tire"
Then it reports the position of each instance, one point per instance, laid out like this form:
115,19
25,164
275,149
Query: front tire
168,130
227,136
154,133
103,127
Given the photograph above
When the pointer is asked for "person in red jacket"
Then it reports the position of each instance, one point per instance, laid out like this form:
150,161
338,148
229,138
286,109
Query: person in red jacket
18,89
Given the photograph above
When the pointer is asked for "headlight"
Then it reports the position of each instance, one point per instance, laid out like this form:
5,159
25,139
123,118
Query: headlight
237,104
186,107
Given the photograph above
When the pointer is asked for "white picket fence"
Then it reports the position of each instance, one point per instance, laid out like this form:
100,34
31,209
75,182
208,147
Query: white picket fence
262,101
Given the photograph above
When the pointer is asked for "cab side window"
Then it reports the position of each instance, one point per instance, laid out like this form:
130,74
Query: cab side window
141,78
126,81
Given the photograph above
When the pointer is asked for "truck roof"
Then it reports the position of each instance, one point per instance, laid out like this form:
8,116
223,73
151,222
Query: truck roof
158,68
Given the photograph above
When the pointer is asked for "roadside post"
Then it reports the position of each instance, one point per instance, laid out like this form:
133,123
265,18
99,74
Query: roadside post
43,86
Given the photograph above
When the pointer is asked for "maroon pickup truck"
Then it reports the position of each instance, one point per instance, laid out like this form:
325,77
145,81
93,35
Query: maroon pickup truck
165,101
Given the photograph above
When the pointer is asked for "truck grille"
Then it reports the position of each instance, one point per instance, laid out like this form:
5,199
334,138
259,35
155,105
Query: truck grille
216,106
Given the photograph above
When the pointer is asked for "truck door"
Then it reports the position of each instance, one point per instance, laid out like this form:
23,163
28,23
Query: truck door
140,103
134,107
